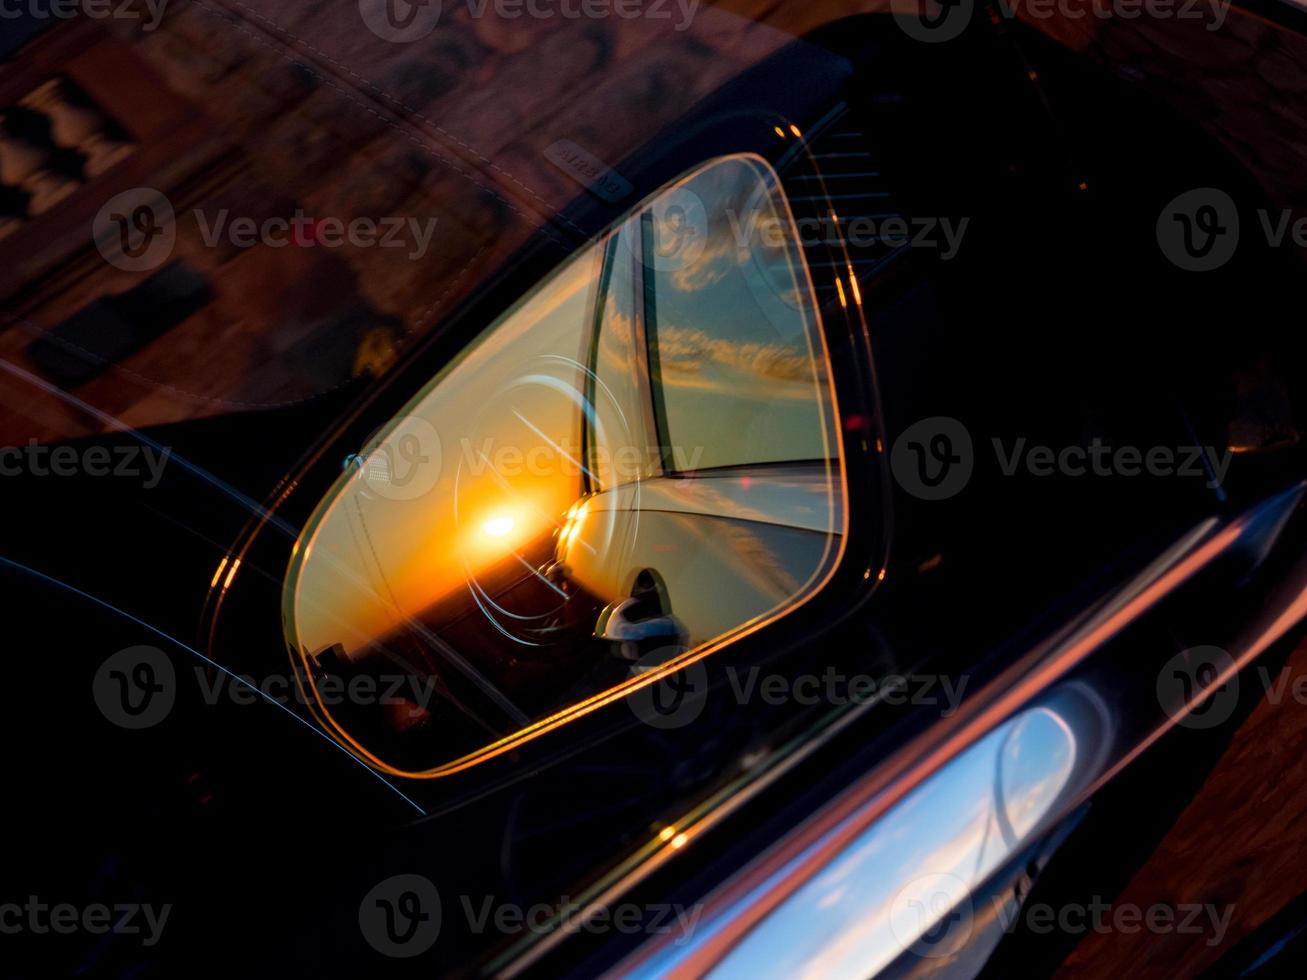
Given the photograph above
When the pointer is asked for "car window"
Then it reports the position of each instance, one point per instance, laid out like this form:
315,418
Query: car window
738,376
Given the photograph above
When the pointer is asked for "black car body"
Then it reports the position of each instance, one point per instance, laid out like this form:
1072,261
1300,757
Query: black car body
1108,599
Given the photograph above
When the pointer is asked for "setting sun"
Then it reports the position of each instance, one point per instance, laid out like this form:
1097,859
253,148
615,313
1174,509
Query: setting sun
499,527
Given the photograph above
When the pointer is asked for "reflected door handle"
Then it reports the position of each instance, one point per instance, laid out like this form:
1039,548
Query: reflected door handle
618,624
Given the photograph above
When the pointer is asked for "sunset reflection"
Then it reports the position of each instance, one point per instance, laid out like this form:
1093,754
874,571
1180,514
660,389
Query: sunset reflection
654,429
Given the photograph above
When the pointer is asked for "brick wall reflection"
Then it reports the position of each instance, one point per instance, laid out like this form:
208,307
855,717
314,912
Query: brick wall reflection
260,109
265,110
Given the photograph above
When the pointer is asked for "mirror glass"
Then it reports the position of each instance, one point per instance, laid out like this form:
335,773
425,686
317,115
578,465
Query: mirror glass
634,465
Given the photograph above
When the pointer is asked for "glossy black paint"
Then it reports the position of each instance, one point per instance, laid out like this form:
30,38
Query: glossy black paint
1059,318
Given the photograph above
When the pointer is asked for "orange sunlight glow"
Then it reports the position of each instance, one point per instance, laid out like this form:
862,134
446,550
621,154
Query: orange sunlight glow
499,527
